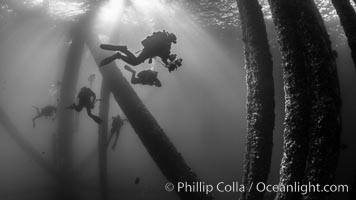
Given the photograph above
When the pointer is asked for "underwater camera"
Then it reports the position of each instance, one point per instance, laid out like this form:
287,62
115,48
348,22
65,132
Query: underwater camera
175,64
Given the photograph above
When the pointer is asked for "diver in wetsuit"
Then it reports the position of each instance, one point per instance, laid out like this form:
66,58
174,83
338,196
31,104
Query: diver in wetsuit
87,99
46,112
116,125
145,77
156,45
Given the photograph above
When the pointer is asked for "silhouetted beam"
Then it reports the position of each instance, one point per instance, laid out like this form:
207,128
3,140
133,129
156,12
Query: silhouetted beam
104,127
158,145
32,153
103,137
65,116
15,135
347,16
260,97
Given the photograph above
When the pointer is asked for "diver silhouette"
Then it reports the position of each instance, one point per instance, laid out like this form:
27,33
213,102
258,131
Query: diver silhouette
87,99
145,77
46,112
156,45
116,124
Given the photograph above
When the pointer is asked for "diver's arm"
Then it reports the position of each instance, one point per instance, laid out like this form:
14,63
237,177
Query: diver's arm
165,61
94,97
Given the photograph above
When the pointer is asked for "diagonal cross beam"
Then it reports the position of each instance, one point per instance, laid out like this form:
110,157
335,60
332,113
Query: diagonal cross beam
26,146
32,153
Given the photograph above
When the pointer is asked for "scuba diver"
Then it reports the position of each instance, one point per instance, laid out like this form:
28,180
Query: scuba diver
156,45
46,112
116,125
145,77
87,99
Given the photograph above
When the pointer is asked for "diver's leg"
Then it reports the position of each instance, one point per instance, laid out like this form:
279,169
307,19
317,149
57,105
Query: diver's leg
110,59
118,130
89,111
131,59
144,55
128,53
134,80
34,120
109,140
94,117
116,138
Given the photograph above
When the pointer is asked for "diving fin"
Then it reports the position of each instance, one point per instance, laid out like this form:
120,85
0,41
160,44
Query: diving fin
113,47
